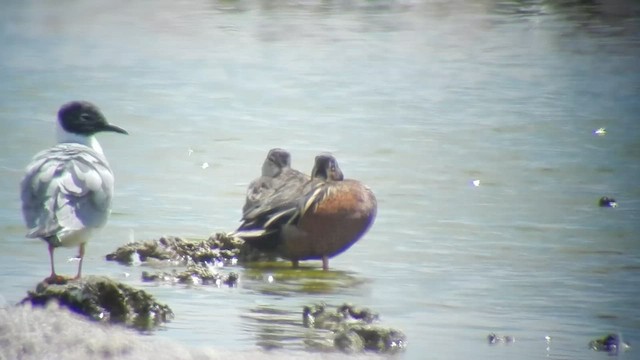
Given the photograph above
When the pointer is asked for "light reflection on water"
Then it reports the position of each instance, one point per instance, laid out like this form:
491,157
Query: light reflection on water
416,99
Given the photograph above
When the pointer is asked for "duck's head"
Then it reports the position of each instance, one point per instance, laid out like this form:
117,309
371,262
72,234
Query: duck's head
277,160
326,168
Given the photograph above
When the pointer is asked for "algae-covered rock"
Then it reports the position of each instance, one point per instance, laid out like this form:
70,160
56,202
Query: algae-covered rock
102,299
372,337
194,274
218,247
353,329
606,201
153,249
611,343
363,314
318,317
494,339
349,342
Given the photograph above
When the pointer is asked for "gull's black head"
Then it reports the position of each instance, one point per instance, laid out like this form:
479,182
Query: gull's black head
326,168
84,118
277,160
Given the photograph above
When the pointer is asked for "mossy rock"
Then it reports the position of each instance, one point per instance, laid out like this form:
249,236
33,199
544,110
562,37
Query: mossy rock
195,274
102,299
354,329
318,317
349,342
374,338
218,247
611,343
494,339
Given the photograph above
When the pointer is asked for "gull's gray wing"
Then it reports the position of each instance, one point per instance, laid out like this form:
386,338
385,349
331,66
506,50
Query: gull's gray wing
67,187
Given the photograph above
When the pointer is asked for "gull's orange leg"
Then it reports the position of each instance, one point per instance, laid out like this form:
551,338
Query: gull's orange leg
81,256
54,278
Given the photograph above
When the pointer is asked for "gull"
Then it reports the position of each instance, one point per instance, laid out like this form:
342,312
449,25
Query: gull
67,189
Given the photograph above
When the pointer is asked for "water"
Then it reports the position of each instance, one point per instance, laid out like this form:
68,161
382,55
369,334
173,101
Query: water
416,99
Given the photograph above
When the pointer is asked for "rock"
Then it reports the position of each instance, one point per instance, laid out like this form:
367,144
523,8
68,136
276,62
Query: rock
606,201
102,299
217,248
232,279
349,342
374,338
611,343
497,339
353,329
316,316
600,131
195,274
154,249
365,315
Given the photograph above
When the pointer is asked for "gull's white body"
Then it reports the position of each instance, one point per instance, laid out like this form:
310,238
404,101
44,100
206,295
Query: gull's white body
67,191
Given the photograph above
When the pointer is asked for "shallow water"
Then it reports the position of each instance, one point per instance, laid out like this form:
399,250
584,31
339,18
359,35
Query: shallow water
416,99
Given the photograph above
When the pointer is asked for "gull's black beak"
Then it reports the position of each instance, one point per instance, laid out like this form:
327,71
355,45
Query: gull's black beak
113,128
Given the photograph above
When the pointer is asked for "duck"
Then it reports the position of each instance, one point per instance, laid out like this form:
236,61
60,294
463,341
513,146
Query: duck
67,189
317,220
276,178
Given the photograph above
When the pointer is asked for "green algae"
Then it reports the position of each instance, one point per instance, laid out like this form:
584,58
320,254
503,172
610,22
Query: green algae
279,278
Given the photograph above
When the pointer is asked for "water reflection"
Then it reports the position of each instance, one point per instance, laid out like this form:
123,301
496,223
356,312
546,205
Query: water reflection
280,279
420,99
282,329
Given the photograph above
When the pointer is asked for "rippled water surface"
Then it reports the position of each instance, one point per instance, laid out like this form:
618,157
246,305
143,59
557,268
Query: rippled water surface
416,99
